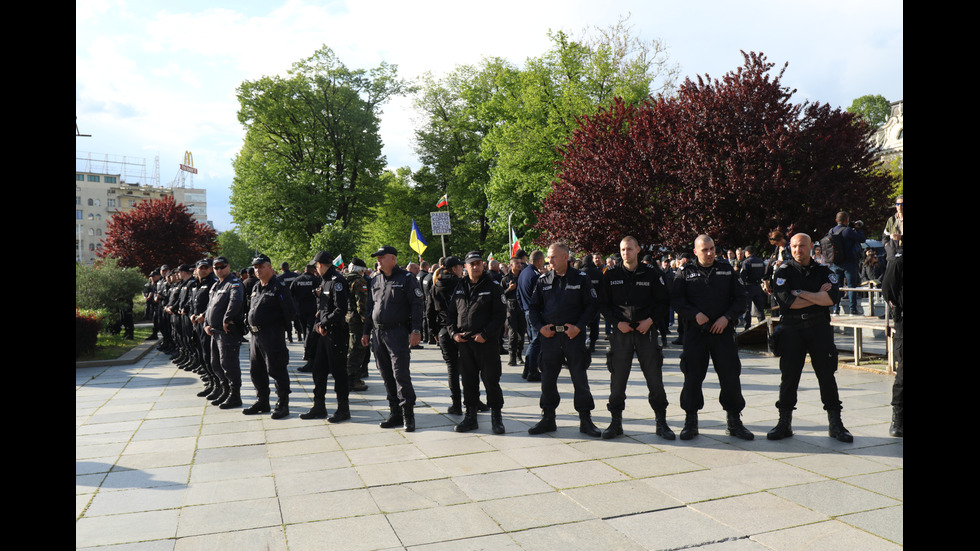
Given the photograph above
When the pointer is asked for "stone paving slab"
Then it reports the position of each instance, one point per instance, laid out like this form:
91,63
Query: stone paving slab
159,469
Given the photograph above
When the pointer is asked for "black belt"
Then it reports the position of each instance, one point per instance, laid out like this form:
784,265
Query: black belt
388,326
806,320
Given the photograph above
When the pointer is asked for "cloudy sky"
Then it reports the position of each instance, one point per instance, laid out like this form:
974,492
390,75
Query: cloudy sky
156,79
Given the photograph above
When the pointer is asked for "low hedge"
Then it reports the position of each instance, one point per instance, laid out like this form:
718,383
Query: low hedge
87,326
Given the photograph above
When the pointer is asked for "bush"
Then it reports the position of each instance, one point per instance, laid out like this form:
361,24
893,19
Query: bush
87,326
106,285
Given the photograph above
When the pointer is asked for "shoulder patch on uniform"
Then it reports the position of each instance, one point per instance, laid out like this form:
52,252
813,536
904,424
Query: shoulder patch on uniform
780,281
418,292
337,286
832,277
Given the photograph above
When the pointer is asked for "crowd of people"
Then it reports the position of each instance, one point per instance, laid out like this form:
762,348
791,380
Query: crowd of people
542,309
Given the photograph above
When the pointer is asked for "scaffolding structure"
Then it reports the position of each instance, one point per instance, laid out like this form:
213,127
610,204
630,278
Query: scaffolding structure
130,169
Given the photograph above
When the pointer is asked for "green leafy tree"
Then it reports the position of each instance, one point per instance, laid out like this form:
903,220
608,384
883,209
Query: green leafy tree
391,224
458,116
235,249
493,131
873,108
312,152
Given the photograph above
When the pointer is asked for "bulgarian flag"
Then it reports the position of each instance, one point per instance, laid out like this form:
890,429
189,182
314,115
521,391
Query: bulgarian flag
339,262
515,244
443,202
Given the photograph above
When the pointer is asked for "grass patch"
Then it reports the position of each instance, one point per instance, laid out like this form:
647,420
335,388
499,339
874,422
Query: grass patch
112,347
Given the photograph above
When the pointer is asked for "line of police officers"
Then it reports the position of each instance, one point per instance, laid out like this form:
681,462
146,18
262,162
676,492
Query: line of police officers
469,312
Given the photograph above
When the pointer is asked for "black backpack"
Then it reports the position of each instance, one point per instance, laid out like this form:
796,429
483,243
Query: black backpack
832,246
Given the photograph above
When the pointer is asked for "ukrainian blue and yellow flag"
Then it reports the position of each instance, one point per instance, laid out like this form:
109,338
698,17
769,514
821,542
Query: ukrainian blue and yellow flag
415,239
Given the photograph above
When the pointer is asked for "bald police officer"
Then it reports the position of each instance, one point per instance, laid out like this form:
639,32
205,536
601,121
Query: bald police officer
806,291
393,327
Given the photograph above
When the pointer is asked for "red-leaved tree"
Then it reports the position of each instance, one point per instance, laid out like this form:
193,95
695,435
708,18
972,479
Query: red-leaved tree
157,232
733,158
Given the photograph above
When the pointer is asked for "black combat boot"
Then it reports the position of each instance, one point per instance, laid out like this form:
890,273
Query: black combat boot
784,427
260,406
469,421
409,414
208,387
456,408
546,424
318,411
496,421
586,426
837,429
615,427
225,390
342,413
394,418
736,428
690,429
234,399
663,429
282,408
898,422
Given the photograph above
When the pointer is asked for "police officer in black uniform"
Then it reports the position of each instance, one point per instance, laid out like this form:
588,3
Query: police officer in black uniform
437,312
149,302
752,272
356,353
516,321
304,289
161,298
708,299
331,335
224,321
199,305
476,320
561,307
178,299
271,310
286,277
634,297
806,291
394,326
893,291
595,274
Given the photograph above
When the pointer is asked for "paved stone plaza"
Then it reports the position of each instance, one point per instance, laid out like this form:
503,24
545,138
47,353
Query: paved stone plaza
157,468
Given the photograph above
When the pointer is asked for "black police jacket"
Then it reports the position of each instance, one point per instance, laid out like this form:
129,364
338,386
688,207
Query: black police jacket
476,308
226,303
715,291
562,300
199,302
791,276
437,307
753,270
303,290
334,300
271,305
395,300
633,296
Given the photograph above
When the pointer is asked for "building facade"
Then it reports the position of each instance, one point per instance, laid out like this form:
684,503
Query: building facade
99,196
889,138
